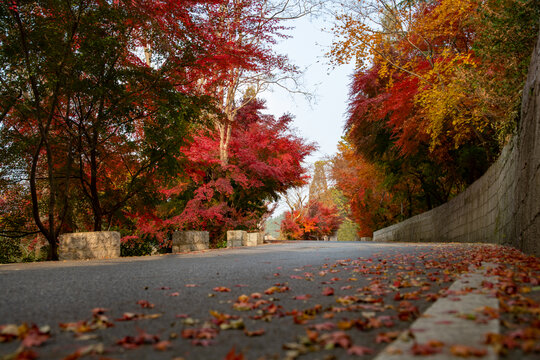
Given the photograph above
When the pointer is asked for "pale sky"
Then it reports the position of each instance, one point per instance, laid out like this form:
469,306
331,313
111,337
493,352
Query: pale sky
322,120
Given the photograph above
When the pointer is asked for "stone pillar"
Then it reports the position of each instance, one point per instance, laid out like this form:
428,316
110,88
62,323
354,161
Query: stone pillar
236,238
253,238
366,238
89,245
190,241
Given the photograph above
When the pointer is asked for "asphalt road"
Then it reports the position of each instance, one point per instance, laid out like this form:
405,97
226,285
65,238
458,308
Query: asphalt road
181,288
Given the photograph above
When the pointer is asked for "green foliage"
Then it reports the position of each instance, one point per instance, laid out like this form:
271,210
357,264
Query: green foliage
222,244
348,231
137,247
10,250
507,33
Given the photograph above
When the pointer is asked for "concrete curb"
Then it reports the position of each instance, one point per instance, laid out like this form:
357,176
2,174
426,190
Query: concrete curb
442,321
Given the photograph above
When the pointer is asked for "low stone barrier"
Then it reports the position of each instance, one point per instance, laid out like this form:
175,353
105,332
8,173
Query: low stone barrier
190,241
366,238
236,238
89,245
253,239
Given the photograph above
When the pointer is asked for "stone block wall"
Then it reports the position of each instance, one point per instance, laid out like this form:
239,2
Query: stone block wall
501,207
89,245
190,241
236,238
253,239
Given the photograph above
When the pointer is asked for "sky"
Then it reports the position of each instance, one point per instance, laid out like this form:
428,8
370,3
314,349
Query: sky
320,121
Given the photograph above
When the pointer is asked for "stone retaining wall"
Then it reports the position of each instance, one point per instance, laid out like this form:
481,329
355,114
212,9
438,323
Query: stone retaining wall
89,245
501,207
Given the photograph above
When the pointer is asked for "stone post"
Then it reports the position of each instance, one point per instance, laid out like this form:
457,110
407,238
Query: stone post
253,238
236,238
190,241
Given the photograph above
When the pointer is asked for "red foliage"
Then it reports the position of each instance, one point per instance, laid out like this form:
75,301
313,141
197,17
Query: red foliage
265,160
315,221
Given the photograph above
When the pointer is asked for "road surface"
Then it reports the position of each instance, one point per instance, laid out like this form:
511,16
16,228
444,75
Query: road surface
312,300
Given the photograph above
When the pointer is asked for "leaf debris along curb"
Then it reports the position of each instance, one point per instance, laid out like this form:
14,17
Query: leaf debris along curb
457,323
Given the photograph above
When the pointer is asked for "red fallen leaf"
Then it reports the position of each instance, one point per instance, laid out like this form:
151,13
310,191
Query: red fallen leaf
359,350
258,332
336,338
323,326
191,285
387,337
128,342
199,342
128,316
241,285
34,337
277,274
222,289
430,348
98,311
145,304
302,297
174,294
162,345
296,277
164,288
407,311
466,351
328,291
133,342
347,287
232,355
92,349
206,333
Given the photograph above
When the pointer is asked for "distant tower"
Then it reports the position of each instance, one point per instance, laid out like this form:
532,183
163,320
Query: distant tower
318,187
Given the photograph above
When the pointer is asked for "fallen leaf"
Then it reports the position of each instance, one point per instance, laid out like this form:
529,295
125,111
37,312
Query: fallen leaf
34,337
258,332
145,304
323,326
222,289
359,350
467,351
328,291
429,348
162,345
387,337
232,355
